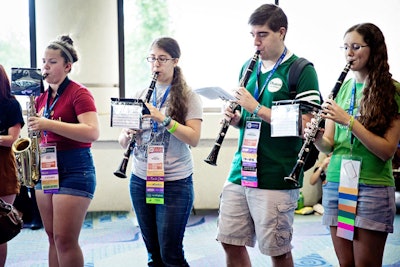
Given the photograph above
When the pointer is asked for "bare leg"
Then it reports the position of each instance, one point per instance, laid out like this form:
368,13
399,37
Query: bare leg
343,248
285,260
63,216
236,256
3,247
3,254
368,247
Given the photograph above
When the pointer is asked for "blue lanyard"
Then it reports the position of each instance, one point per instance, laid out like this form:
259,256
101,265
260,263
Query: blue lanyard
353,98
351,108
278,62
163,100
47,110
61,89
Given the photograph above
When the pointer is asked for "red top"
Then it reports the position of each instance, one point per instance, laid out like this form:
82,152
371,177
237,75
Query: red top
74,100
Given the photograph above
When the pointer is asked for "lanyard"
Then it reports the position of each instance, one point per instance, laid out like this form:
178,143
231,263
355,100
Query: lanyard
353,98
47,109
61,88
351,108
278,62
155,124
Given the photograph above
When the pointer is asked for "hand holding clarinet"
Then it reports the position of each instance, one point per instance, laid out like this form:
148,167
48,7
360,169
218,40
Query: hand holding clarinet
314,129
130,135
232,115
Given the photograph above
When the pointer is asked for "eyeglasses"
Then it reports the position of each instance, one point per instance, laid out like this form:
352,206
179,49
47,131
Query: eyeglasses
354,47
160,59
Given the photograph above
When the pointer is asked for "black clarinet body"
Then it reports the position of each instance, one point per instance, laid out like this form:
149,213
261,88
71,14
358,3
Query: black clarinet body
315,127
212,157
121,171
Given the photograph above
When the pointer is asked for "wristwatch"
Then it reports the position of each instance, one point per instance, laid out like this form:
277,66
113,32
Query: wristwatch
166,121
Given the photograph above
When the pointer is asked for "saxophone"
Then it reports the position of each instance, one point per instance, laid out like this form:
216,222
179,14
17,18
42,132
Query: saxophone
27,154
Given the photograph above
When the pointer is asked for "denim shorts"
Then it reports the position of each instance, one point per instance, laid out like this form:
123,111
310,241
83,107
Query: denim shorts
376,207
76,173
246,211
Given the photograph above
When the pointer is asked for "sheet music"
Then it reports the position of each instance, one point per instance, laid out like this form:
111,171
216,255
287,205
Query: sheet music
215,93
126,113
26,81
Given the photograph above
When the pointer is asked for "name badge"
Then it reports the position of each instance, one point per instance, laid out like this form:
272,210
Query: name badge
249,152
348,194
286,120
49,168
155,175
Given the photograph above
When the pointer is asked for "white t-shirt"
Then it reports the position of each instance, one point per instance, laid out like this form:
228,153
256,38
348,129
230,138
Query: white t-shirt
178,160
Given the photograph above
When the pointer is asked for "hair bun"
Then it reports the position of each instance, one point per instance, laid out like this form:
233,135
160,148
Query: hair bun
67,39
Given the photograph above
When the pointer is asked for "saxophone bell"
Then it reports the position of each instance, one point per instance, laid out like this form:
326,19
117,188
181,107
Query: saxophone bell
27,152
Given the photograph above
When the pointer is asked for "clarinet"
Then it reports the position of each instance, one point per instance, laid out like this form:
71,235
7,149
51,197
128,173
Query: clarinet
212,157
121,171
315,127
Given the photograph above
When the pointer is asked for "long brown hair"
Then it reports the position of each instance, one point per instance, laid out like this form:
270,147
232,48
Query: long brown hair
378,107
180,91
5,88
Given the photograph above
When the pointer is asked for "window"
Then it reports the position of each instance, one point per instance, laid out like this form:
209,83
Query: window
14,38
196,26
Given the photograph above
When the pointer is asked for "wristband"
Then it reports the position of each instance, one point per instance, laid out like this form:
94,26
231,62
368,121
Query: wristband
257,109
173,128
166,121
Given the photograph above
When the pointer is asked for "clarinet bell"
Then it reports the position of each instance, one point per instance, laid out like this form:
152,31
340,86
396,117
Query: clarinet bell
120,174
292,180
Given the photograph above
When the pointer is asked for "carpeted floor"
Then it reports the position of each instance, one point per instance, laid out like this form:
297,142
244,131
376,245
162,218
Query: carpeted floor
113,239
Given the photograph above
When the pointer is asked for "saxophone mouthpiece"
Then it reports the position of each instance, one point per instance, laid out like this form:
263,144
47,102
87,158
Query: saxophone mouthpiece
45,75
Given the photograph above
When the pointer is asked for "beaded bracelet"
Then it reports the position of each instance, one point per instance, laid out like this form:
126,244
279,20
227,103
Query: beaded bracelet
173,128
257,109
351,123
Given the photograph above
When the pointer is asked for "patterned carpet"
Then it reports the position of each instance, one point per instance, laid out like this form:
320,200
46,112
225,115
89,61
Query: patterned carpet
113,239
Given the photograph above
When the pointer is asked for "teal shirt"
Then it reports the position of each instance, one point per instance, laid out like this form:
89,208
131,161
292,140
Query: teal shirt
276,156
374,171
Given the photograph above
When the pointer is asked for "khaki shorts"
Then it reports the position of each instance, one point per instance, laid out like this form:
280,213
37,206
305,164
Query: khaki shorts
247,215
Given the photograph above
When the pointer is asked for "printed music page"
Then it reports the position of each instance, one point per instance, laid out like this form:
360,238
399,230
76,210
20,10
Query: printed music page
215,93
